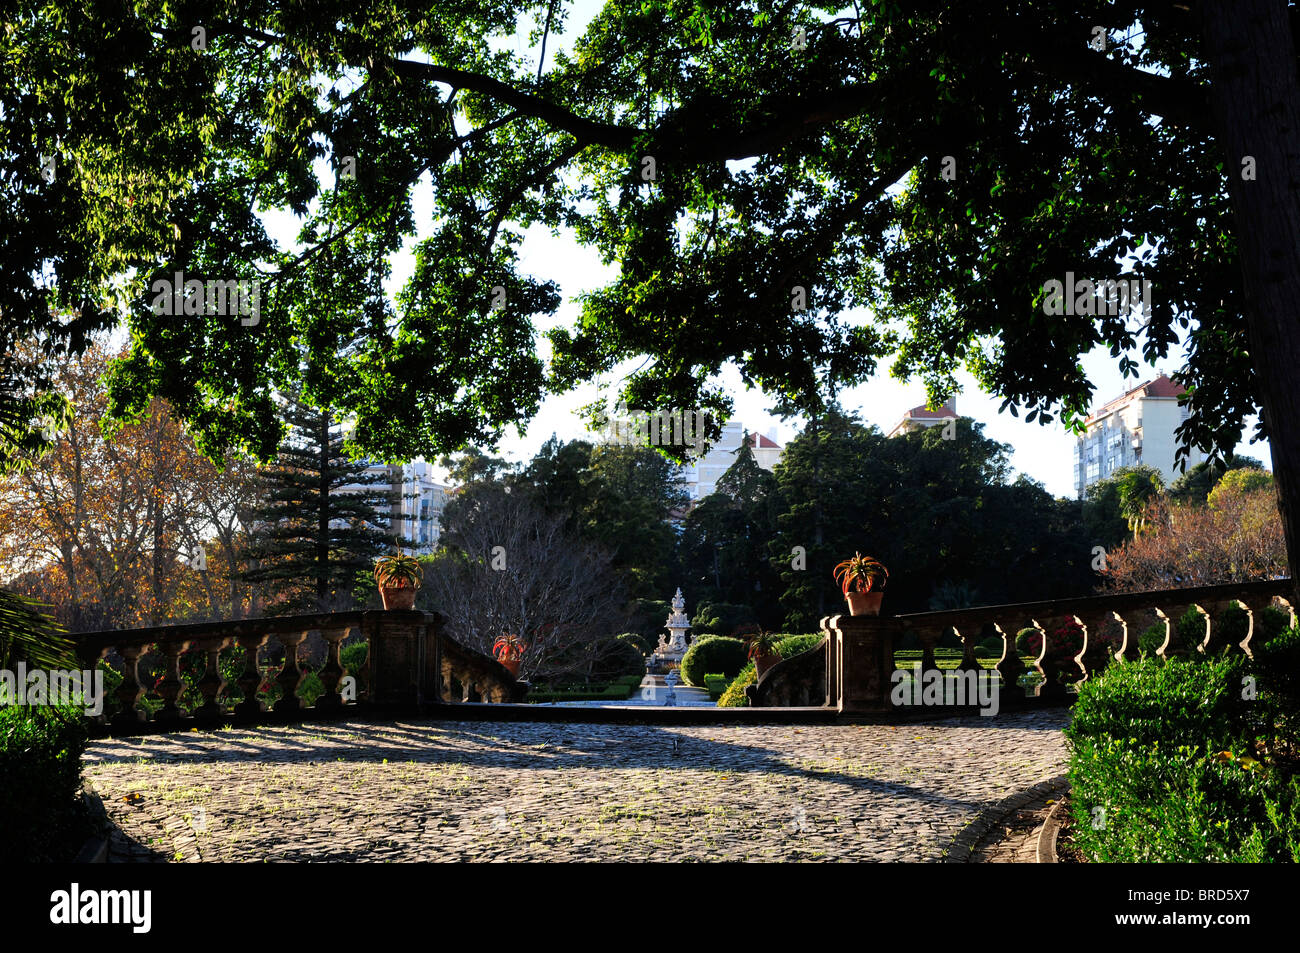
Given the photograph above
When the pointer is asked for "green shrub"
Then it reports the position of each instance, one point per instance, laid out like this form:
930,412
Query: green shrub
1188,633
1180,805
734,696
40,773
1276,668
716,684
1272,623
353,656
616,692
1151,640
1165,702
793,645
1163,765
713,653
1231,626
1024,643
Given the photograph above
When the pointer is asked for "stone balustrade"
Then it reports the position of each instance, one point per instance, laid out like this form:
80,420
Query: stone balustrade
411,664
857,657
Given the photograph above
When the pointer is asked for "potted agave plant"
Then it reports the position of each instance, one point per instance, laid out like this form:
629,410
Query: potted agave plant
862,579
398,578
762,649
509,650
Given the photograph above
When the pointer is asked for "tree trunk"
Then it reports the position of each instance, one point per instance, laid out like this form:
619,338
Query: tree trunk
1255,95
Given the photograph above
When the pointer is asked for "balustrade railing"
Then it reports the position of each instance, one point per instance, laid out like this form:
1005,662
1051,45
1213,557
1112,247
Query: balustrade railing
858,655
209,674
251,670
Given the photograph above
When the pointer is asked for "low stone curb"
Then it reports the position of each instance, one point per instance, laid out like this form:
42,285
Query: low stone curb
964,844
1048,833
95,849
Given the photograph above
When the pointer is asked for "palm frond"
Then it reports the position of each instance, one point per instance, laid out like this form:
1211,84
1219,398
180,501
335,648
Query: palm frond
28,635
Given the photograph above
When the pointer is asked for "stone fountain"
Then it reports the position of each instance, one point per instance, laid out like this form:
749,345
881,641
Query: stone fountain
673,646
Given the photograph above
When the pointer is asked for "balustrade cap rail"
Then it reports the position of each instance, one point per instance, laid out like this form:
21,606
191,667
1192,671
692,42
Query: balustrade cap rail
191,631
1094,605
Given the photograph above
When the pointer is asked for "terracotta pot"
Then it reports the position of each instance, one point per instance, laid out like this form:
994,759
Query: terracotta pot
763,662
864,603
511,665
395,598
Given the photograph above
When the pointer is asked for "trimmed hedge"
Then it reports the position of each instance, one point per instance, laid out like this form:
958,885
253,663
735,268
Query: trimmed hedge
734,696
712,653
716,684
619,689
787,647
793,645
1171,760
40,776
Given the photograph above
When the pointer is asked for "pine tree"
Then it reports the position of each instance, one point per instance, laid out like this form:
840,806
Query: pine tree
323,521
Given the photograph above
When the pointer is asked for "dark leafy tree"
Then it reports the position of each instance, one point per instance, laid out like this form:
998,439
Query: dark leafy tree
1195,485
726,539
1113,506
323,522
942,514
755,171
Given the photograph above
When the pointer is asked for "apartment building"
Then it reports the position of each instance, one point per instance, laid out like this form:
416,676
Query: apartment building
417,514
921,418
1136,427
702,475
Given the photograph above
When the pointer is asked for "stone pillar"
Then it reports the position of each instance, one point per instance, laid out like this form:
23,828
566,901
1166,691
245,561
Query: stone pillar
863,654
398,660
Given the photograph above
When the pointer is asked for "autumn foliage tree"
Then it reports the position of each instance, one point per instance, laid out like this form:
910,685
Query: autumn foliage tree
1235,537
114,532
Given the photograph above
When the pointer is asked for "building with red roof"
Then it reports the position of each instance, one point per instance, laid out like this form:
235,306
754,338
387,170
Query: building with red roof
1136,427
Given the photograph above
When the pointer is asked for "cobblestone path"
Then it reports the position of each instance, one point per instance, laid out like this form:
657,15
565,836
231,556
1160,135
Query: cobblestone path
535,791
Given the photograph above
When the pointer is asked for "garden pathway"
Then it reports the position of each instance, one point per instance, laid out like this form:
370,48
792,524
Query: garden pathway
420,790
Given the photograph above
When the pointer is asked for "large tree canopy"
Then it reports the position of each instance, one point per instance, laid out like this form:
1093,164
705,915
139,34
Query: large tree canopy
754,169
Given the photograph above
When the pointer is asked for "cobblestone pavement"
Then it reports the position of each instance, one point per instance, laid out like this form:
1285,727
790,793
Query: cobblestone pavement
404,791
1014,840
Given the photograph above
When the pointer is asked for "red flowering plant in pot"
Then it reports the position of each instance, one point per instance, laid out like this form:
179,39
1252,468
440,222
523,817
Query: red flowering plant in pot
398,577
862,580
509,651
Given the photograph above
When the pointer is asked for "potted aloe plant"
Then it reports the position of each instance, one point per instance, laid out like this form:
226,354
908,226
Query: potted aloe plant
862,580
762,649
398,578
509,651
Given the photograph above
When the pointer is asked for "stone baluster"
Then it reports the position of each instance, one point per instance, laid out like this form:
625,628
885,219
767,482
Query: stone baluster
1286,604
1255,606
170,686
1094,655
1170,614
1049,661
969,641
211,684
250,680
1218,643
1129,650
130,691
332,673
290,674
929,637
1010,668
